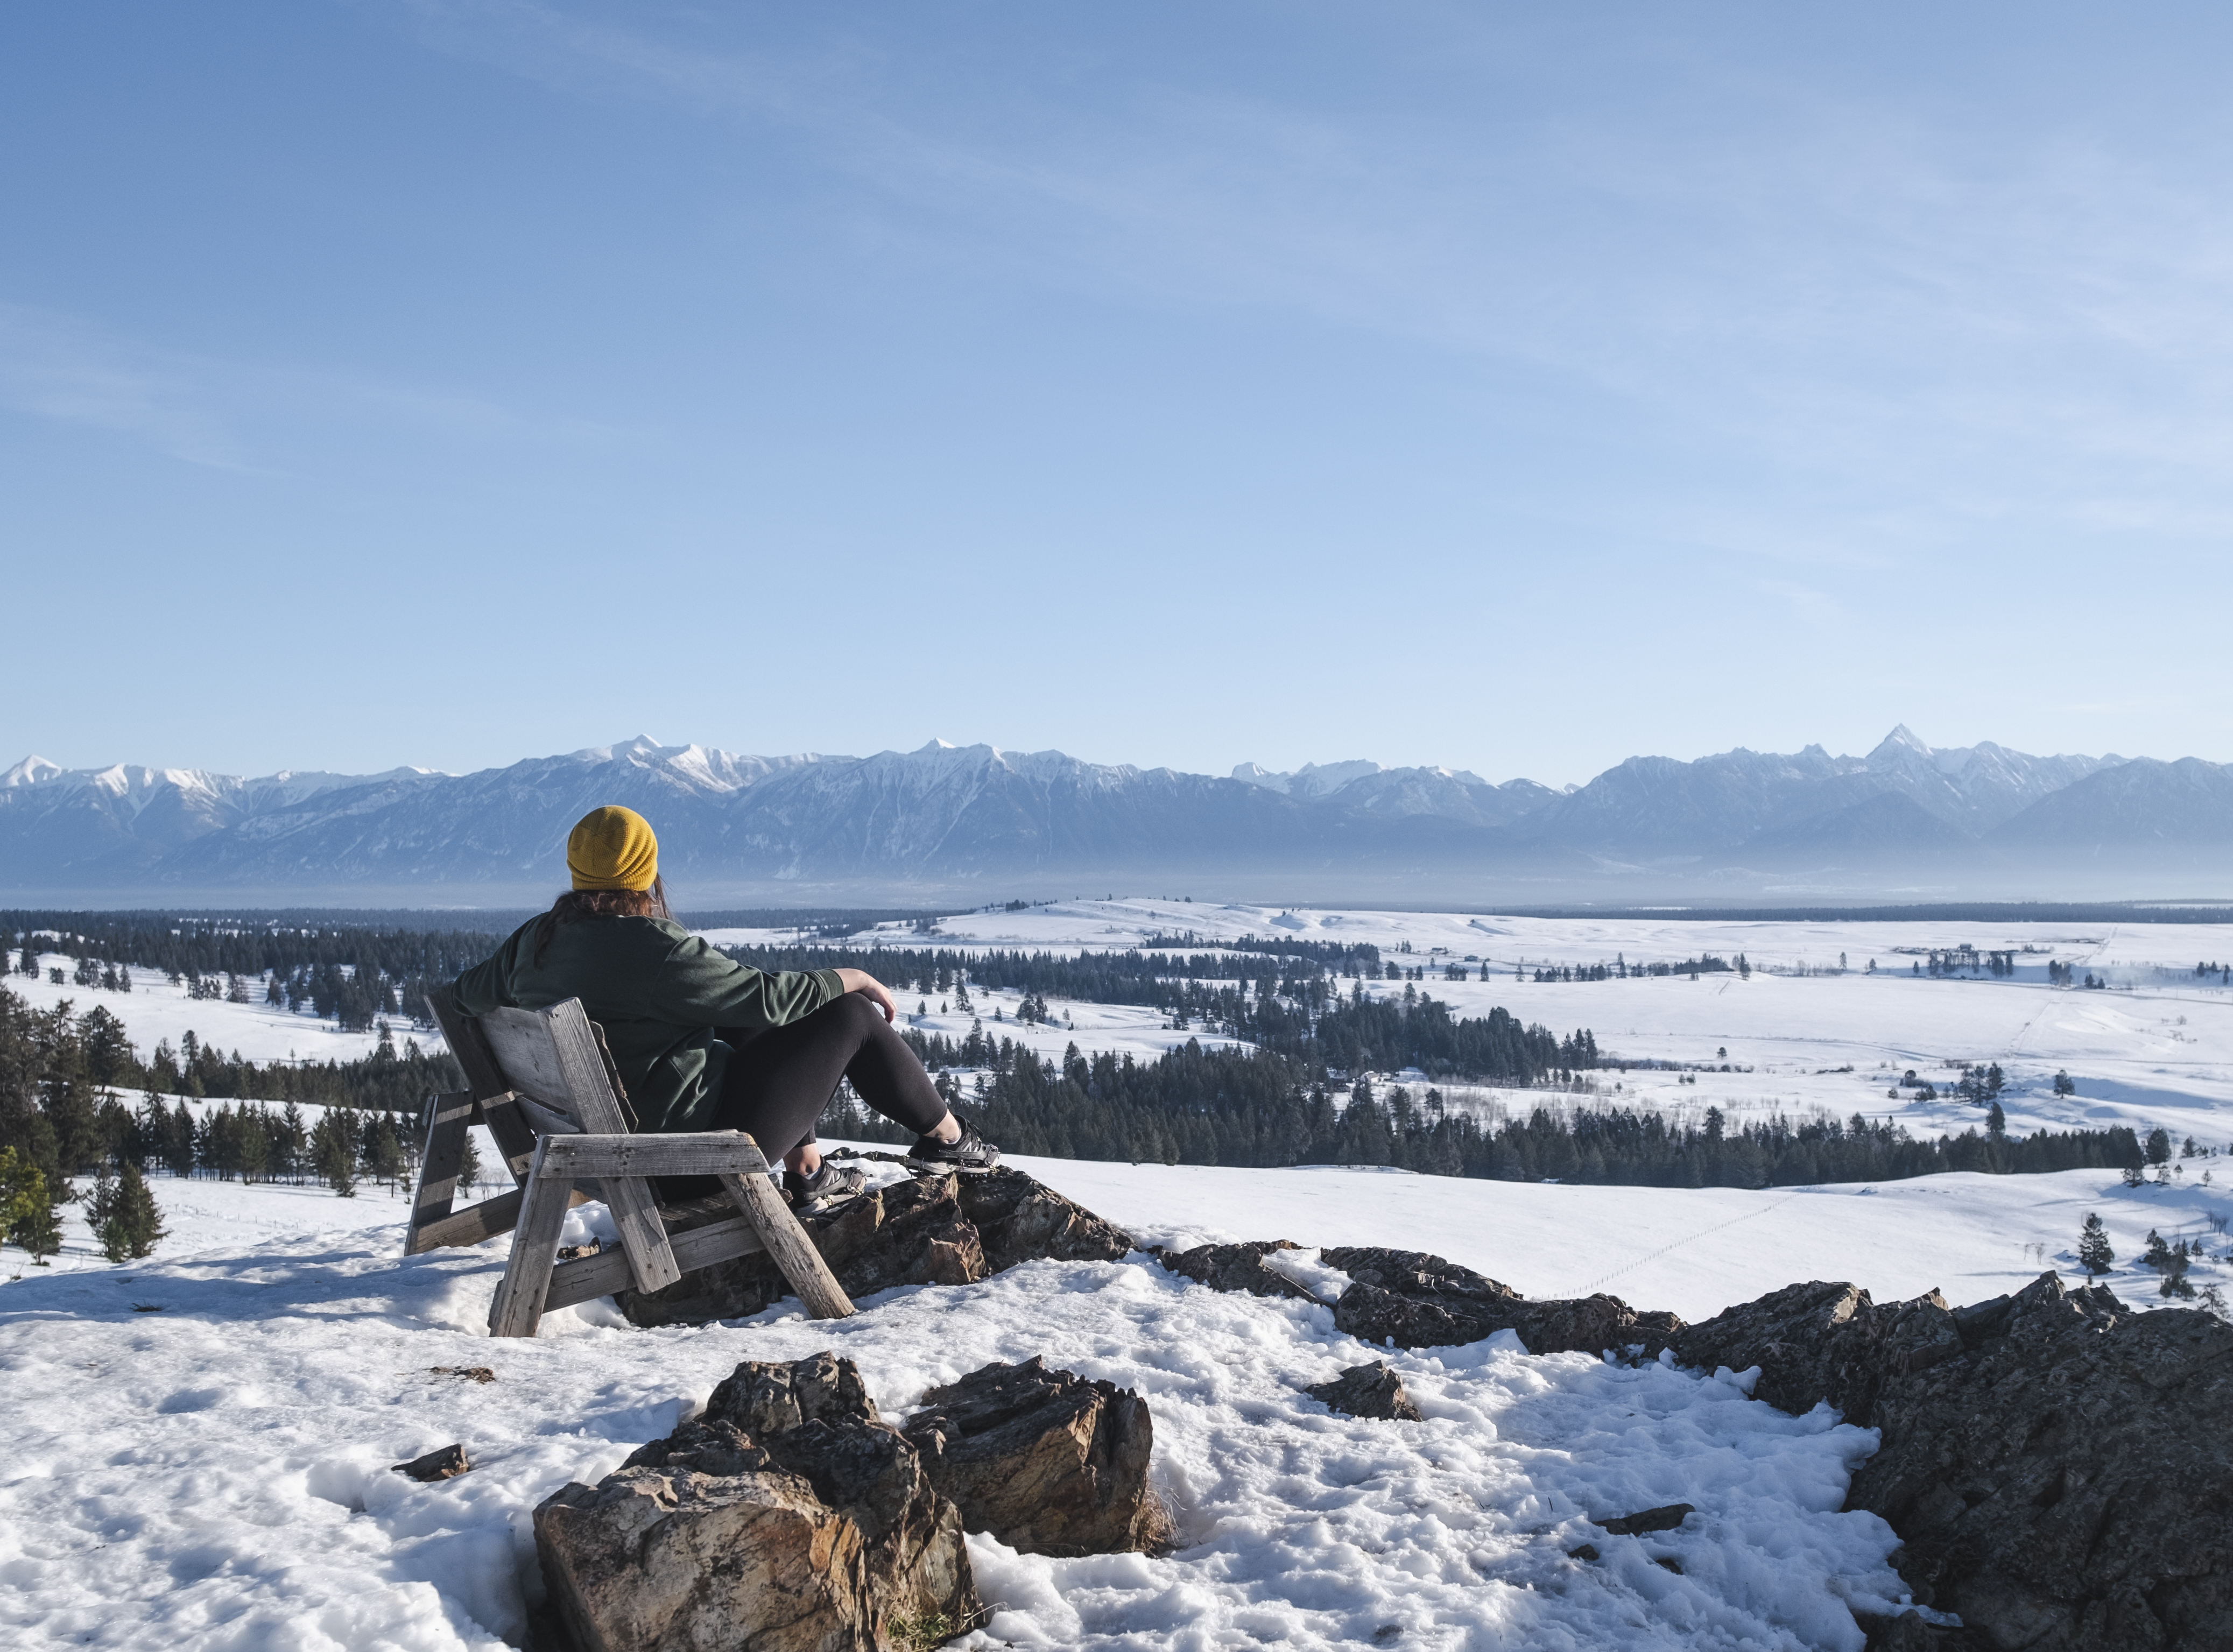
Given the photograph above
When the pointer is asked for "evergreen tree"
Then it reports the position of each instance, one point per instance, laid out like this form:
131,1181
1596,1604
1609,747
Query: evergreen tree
27,1206
1996,1124
334,1150
2093,1253
123,1216
2159,1253
138,1222
469,1165
2065,1085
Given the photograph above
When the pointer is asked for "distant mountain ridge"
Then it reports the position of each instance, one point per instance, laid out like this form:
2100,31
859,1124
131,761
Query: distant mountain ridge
948,819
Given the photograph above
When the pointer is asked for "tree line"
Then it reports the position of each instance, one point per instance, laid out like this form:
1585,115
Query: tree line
352,972
1230,1107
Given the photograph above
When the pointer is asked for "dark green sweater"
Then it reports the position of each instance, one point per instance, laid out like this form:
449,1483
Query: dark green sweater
659,992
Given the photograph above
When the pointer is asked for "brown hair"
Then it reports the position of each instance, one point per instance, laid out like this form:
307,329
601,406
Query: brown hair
576,904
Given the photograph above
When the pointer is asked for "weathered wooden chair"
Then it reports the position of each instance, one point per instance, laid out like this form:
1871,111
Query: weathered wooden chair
544,1083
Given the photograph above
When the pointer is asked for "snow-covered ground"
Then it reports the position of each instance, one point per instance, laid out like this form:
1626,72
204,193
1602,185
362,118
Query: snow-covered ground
198,1445
154,1011
2154,1048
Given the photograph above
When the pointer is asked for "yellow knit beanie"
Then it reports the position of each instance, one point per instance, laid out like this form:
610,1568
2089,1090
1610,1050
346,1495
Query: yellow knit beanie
612,848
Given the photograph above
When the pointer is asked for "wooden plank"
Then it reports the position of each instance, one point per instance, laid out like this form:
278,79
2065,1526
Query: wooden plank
607,1272
488,1218
447,1121
517,1308
613,1077
462,1033
787,1242
590,1099
515,1135
528,1057
542,1119
472,1224
707,1153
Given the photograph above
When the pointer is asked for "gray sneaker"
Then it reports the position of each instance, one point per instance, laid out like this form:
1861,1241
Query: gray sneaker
833,1184
969,1155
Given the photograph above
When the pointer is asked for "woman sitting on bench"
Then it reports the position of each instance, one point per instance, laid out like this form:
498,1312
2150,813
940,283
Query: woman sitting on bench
706,1044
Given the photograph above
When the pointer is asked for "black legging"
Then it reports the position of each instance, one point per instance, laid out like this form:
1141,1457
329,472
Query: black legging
778,1081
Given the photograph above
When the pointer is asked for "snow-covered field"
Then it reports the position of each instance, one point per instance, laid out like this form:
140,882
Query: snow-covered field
212,1471
2156,1048
154,1011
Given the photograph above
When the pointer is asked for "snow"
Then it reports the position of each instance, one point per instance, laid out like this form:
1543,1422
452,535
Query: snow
2156,1048
154,1011
216,1474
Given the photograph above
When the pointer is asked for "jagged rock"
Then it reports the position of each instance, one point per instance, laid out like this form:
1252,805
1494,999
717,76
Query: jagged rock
766,1398
1374,1390
1663,1519
810,1535
1823,1340
2058,1470
1043,1460
1237,1267
446,1464
1021,1219
1415,1299
918,1231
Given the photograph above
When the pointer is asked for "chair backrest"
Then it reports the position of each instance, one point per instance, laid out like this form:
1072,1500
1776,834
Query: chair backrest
536,1048
556,1059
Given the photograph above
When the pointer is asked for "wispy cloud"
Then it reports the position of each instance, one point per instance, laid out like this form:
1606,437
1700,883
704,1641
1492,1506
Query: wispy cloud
2003,319
64,368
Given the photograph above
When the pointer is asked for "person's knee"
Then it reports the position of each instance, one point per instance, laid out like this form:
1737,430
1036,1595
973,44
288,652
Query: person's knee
854,1010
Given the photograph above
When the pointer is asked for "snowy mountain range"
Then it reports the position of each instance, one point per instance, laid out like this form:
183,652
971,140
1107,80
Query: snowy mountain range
945,820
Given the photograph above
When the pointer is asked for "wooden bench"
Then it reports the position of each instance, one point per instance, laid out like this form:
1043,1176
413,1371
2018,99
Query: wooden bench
543,1083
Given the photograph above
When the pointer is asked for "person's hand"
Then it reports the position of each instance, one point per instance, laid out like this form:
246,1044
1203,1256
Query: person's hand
859,980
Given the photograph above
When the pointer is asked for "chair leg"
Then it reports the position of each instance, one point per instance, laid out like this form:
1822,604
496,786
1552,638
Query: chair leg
787,1242
517,1309
438,1170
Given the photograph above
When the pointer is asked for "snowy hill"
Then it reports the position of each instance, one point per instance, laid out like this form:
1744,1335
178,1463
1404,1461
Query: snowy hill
945,821
201,1442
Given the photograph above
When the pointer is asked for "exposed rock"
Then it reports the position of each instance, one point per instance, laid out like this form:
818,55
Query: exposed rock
446,1464
1823,1340
468,1373
1044,1460
923,1231
1415,1299
811,1535
766,1398
1374,1390
1021,1219
1664,1519
1237,1267
2057,1468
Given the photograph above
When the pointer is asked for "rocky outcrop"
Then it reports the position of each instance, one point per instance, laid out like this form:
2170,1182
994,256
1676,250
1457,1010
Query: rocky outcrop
1821,1341
1415,1299
1043,1460
1021,1219
768,1398
2057,1467
810,1537
930,1230
1374,1390
1237,1267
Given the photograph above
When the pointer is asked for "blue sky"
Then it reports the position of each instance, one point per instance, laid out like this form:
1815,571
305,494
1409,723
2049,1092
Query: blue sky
449,382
